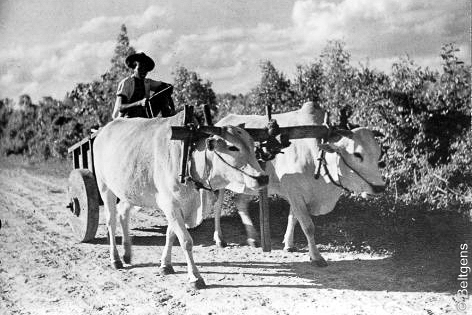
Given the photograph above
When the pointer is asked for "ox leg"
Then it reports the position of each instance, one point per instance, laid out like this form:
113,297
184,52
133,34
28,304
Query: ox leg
289,233
166,259
218,235
124,209
300,211
186,242
109,204
242,204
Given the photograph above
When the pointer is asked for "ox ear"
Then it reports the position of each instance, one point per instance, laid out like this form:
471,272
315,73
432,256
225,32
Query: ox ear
243,125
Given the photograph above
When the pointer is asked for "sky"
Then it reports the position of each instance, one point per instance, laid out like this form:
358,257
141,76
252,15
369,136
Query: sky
48,46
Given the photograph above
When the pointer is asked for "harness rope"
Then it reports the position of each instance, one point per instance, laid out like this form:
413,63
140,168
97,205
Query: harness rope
234,167
340,185
323,161
200,185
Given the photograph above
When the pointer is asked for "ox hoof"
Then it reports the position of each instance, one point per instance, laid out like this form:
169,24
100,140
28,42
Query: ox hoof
117,264
221,244
166,270
292,249
319,263
252,242
197,285
127,259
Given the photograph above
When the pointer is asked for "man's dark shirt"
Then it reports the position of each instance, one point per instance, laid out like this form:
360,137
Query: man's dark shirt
138,94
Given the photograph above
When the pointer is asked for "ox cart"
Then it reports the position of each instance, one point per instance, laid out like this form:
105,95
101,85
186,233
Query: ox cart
84,198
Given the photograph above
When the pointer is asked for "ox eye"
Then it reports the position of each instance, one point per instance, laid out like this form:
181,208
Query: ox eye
233,148
359,156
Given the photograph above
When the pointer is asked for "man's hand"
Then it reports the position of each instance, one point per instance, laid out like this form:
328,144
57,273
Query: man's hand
144,102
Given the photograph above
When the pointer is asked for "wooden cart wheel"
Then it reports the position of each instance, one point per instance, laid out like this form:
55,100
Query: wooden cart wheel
84,204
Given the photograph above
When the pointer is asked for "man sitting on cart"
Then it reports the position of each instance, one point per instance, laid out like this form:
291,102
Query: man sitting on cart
133,94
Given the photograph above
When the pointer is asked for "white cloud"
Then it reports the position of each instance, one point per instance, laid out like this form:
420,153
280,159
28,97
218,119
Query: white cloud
227,57
79,55
221,48
388,26
381,30
151,15
104,28
158,42
52,69
103,24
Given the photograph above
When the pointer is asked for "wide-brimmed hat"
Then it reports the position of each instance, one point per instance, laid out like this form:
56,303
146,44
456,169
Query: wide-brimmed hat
141,58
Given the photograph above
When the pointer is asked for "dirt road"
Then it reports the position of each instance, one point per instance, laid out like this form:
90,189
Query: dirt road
44,271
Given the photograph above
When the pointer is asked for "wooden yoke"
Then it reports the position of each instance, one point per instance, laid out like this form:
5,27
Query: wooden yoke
188,117
322,152
207,114
271,140
264,219
189,133
295,132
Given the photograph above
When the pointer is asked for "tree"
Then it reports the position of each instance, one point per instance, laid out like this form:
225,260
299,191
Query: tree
21,128
117,71
95,100
454,84
58,128
337,94
274,89
369,104
308,83
190,89
89,103
5,113
232,104
24,101
123,49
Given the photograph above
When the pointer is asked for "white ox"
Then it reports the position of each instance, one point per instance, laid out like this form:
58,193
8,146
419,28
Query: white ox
351,157
137,162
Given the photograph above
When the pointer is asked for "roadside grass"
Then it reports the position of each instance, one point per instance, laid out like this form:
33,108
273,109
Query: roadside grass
53,166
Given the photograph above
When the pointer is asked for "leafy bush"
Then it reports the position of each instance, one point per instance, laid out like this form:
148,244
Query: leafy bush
231,104
426,118
5,113
274,90
19,131
45,130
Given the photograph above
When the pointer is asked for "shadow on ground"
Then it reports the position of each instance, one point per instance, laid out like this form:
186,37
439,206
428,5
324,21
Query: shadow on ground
421,262
388,274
